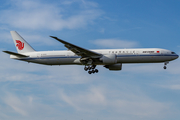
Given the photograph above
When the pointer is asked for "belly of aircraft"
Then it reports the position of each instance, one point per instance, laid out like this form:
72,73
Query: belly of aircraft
143,59
54,61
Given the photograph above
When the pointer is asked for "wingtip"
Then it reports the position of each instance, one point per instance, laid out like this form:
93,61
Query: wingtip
5,51
57,38
53,37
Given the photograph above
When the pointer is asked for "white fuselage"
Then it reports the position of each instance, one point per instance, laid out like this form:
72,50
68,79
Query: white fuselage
151,55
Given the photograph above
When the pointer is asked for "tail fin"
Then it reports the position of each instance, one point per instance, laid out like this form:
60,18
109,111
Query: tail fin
21,45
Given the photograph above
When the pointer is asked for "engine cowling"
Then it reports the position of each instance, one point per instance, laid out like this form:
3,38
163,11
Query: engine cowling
114,66
109,59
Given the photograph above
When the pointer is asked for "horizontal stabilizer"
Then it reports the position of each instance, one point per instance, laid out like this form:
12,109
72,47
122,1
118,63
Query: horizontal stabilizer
15,54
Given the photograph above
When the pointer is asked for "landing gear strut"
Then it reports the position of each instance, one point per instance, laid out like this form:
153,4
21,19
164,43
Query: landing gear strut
91,69
165,67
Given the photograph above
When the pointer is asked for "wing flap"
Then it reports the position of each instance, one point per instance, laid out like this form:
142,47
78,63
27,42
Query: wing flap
15,54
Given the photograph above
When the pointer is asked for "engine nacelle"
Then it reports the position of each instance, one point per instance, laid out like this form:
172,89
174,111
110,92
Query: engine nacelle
109,59
114,66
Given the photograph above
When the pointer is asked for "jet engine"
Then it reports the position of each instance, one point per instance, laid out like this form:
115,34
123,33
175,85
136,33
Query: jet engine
109,59
117,66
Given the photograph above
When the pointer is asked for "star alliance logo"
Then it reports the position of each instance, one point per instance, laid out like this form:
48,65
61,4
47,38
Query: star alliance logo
19,44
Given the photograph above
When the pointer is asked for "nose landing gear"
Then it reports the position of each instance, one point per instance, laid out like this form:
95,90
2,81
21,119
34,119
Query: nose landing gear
91,69
165,67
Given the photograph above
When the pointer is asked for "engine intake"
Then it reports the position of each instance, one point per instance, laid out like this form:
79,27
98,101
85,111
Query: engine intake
109,59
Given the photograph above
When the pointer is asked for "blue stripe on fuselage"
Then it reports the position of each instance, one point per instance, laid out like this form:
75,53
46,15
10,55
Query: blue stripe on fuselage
60,57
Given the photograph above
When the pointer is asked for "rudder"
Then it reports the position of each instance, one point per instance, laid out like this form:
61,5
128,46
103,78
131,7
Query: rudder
21,45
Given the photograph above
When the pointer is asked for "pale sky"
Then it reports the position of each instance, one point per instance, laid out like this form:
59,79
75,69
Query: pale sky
138,92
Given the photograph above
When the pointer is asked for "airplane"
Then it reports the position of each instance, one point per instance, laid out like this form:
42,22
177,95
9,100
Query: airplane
111,59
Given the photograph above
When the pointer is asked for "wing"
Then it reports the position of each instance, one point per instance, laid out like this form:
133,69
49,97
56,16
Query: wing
79,50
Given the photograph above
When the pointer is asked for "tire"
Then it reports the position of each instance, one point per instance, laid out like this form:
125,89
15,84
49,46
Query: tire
165,67
89,72
85,68
96,70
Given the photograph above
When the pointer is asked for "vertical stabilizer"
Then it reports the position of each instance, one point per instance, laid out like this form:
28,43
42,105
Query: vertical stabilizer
21,45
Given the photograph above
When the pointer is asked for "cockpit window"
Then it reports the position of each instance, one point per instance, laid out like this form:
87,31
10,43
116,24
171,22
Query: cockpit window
173,53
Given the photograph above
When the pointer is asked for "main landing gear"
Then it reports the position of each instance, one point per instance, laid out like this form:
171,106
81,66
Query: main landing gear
165,67
91,69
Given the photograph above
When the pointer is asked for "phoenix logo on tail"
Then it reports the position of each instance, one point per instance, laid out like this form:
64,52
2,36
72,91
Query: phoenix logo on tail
19,44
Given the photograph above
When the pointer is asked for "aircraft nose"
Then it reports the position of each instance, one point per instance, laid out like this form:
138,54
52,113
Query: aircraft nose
177,55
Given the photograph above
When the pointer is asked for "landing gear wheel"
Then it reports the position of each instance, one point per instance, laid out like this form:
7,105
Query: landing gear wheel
91,69
85,68
165,64
165,67
96,70
93,66
89,72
